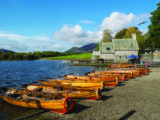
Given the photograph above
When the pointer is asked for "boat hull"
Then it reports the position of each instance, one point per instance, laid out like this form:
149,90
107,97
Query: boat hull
59,106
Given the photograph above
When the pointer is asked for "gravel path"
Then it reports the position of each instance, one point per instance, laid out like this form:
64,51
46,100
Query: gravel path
135,99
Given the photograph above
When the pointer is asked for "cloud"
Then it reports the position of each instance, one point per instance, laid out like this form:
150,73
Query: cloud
141,18
20,43
117,21
76,36
86,21
11,36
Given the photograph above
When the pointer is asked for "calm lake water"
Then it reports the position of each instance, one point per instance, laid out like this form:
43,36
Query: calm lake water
24,72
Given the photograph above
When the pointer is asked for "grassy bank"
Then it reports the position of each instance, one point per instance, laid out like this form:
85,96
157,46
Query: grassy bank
85,56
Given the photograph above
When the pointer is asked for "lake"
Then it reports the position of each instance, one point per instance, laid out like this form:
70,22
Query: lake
24,72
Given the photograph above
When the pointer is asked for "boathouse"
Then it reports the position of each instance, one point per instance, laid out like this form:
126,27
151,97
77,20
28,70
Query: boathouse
117,50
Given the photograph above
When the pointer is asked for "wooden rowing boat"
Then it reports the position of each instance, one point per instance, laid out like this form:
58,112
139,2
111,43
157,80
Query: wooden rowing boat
58,87
122,65
133,71
91,84
127,74
121,77
60,105
108,80
142,71
84,94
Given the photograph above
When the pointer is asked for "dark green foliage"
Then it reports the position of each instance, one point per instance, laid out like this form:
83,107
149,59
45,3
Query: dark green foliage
4,56
154,29
12,57
19,56
141,39
121,34
97,47
30,56
127,33
1,52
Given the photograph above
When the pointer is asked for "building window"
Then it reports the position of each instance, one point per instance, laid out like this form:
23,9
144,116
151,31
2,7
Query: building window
108,48
119,56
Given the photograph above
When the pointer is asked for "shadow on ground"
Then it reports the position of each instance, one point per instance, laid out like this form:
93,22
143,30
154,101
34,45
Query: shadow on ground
33,115
78,108
103,97
121,84
106,89
129,114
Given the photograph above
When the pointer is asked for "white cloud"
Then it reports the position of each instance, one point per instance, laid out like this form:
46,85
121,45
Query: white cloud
86,21
117,21
20,43
40,38
11,36
75,35
141,18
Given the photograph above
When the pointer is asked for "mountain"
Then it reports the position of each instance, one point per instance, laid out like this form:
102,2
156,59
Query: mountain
5,51
89,47
74,50
84,49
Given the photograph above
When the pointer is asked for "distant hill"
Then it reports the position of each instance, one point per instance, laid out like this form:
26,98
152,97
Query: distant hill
5,51
84,49
74,50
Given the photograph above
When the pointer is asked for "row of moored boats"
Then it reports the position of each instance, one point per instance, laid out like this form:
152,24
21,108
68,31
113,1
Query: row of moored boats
57,95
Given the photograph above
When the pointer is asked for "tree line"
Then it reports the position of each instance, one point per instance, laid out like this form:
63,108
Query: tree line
30,55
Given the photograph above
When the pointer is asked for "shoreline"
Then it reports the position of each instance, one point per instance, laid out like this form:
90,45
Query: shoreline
136,98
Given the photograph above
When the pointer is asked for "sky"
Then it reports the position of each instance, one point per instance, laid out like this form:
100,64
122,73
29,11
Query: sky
57,25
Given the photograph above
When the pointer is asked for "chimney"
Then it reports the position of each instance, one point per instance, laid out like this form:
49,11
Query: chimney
134,36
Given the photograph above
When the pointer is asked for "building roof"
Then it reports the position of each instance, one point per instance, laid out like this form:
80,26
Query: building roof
125,44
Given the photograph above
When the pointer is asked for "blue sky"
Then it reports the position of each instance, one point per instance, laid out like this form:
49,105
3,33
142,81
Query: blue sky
31,25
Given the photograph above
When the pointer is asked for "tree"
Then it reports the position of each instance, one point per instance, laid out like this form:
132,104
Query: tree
154,29
37,54
12,57
19,56
1,52
97,47
121,34
29,56
10,52
107,37
127,33
4,56
132,30
141,40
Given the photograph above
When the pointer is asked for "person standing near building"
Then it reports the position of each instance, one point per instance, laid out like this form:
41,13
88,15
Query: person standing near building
141,63
147,62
